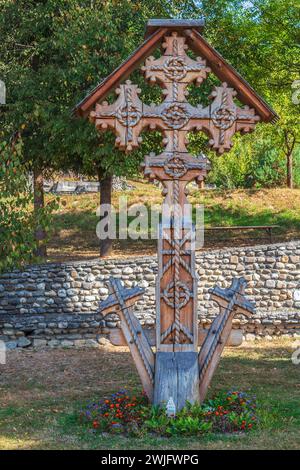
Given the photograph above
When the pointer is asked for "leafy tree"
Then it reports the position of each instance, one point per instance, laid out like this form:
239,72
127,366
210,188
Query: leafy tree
261,39
18,221
52,52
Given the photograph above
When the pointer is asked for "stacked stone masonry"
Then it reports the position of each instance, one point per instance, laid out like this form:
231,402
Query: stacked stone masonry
57,304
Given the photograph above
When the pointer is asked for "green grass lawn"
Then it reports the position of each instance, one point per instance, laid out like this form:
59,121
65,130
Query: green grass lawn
41,393
75,221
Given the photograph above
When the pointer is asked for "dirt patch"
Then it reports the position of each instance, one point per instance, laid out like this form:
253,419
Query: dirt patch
64,373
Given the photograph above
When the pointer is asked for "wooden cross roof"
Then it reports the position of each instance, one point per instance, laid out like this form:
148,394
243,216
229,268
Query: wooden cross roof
155,31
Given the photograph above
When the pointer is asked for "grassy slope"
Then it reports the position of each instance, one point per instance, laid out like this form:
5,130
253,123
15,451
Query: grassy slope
41,393
75,221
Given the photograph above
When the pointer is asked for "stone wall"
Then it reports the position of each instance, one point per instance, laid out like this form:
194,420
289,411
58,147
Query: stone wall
54,304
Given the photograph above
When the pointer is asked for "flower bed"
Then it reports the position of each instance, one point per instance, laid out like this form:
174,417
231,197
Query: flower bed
133,415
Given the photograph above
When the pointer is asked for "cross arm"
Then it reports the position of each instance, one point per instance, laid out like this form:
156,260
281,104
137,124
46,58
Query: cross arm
129,296
120,300
231,302
234,296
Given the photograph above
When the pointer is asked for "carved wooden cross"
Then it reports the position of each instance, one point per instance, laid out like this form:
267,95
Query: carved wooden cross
175,117
179,371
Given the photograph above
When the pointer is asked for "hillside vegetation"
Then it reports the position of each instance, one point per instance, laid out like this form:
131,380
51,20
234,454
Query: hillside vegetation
75,221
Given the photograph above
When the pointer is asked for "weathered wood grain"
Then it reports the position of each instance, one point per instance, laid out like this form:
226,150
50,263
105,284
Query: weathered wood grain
120,300
117,337
231,302
176,376
173,24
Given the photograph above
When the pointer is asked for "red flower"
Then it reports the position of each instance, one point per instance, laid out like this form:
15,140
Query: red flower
95,424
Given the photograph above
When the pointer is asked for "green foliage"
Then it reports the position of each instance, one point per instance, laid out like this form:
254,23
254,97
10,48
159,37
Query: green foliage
57,53
53,53
189,426
17,220
121,413
260,38
252,163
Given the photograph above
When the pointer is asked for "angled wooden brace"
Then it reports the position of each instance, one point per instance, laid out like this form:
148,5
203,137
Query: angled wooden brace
232,302
120,301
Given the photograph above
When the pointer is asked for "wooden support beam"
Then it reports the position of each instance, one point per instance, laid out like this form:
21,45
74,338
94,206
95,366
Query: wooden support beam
120,301
176,376
117,337
231,302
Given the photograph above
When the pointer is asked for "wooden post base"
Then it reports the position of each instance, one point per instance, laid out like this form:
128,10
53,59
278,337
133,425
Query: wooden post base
176,376
183,375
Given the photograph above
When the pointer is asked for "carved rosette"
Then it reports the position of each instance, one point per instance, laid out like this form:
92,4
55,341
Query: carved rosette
175,116
183,297
175,166
175,66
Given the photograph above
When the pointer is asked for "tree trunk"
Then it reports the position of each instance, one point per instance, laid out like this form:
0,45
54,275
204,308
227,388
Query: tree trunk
290,142
105,198
289,170
38,192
